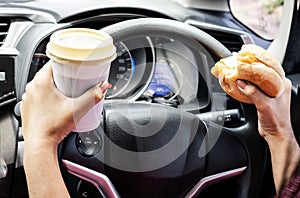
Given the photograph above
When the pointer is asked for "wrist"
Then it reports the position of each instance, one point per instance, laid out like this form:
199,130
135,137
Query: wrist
279,135
37,154
39,149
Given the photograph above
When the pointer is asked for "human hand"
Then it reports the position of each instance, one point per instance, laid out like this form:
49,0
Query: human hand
273,113
48,115
274,125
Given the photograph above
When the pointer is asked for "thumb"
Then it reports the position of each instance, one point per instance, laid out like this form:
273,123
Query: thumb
251,91
83,103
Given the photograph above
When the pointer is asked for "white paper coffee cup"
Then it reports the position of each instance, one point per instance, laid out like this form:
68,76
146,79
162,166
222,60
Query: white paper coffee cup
81,58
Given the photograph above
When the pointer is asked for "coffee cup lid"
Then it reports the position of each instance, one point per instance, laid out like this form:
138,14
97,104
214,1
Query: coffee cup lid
81,44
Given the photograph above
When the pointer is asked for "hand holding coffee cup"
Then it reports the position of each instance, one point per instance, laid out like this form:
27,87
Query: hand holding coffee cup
81,58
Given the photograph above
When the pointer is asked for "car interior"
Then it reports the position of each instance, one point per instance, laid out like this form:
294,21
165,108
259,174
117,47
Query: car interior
167,128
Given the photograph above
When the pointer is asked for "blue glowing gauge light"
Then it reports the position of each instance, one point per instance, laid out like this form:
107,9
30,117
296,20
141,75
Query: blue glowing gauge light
163,81
121,72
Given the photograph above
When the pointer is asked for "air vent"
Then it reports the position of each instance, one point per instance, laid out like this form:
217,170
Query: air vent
233,42
4,26
232,39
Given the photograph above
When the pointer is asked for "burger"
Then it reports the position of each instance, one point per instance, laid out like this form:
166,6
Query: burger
254,65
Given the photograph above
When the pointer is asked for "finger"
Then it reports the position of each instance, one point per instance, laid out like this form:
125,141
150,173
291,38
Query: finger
46,67
28,86
287,84
42,69
45,73
47,70
91,97
24,96
252,92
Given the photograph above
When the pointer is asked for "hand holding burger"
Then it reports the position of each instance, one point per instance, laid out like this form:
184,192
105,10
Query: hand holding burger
254,65
250,76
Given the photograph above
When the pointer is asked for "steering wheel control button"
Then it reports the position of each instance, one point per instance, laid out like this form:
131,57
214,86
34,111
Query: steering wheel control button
87,190
89,143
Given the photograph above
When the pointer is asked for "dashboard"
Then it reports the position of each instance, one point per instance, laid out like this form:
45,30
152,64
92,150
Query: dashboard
152,68
147,68
166,70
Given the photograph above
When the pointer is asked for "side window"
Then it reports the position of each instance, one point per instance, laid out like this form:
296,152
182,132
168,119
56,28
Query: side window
261,16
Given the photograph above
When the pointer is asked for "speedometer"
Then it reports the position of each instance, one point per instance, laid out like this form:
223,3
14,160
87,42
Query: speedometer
121,71
130,73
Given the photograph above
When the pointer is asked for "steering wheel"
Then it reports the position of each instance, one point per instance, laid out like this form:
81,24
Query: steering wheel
152,150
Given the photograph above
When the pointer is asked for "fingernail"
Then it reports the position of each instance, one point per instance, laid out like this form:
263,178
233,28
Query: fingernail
242,84
103,86
100,84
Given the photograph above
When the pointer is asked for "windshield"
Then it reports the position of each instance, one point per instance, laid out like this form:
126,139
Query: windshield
261,16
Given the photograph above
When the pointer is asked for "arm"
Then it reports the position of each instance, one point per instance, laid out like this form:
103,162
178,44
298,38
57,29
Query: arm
47,118
275,127
42,171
